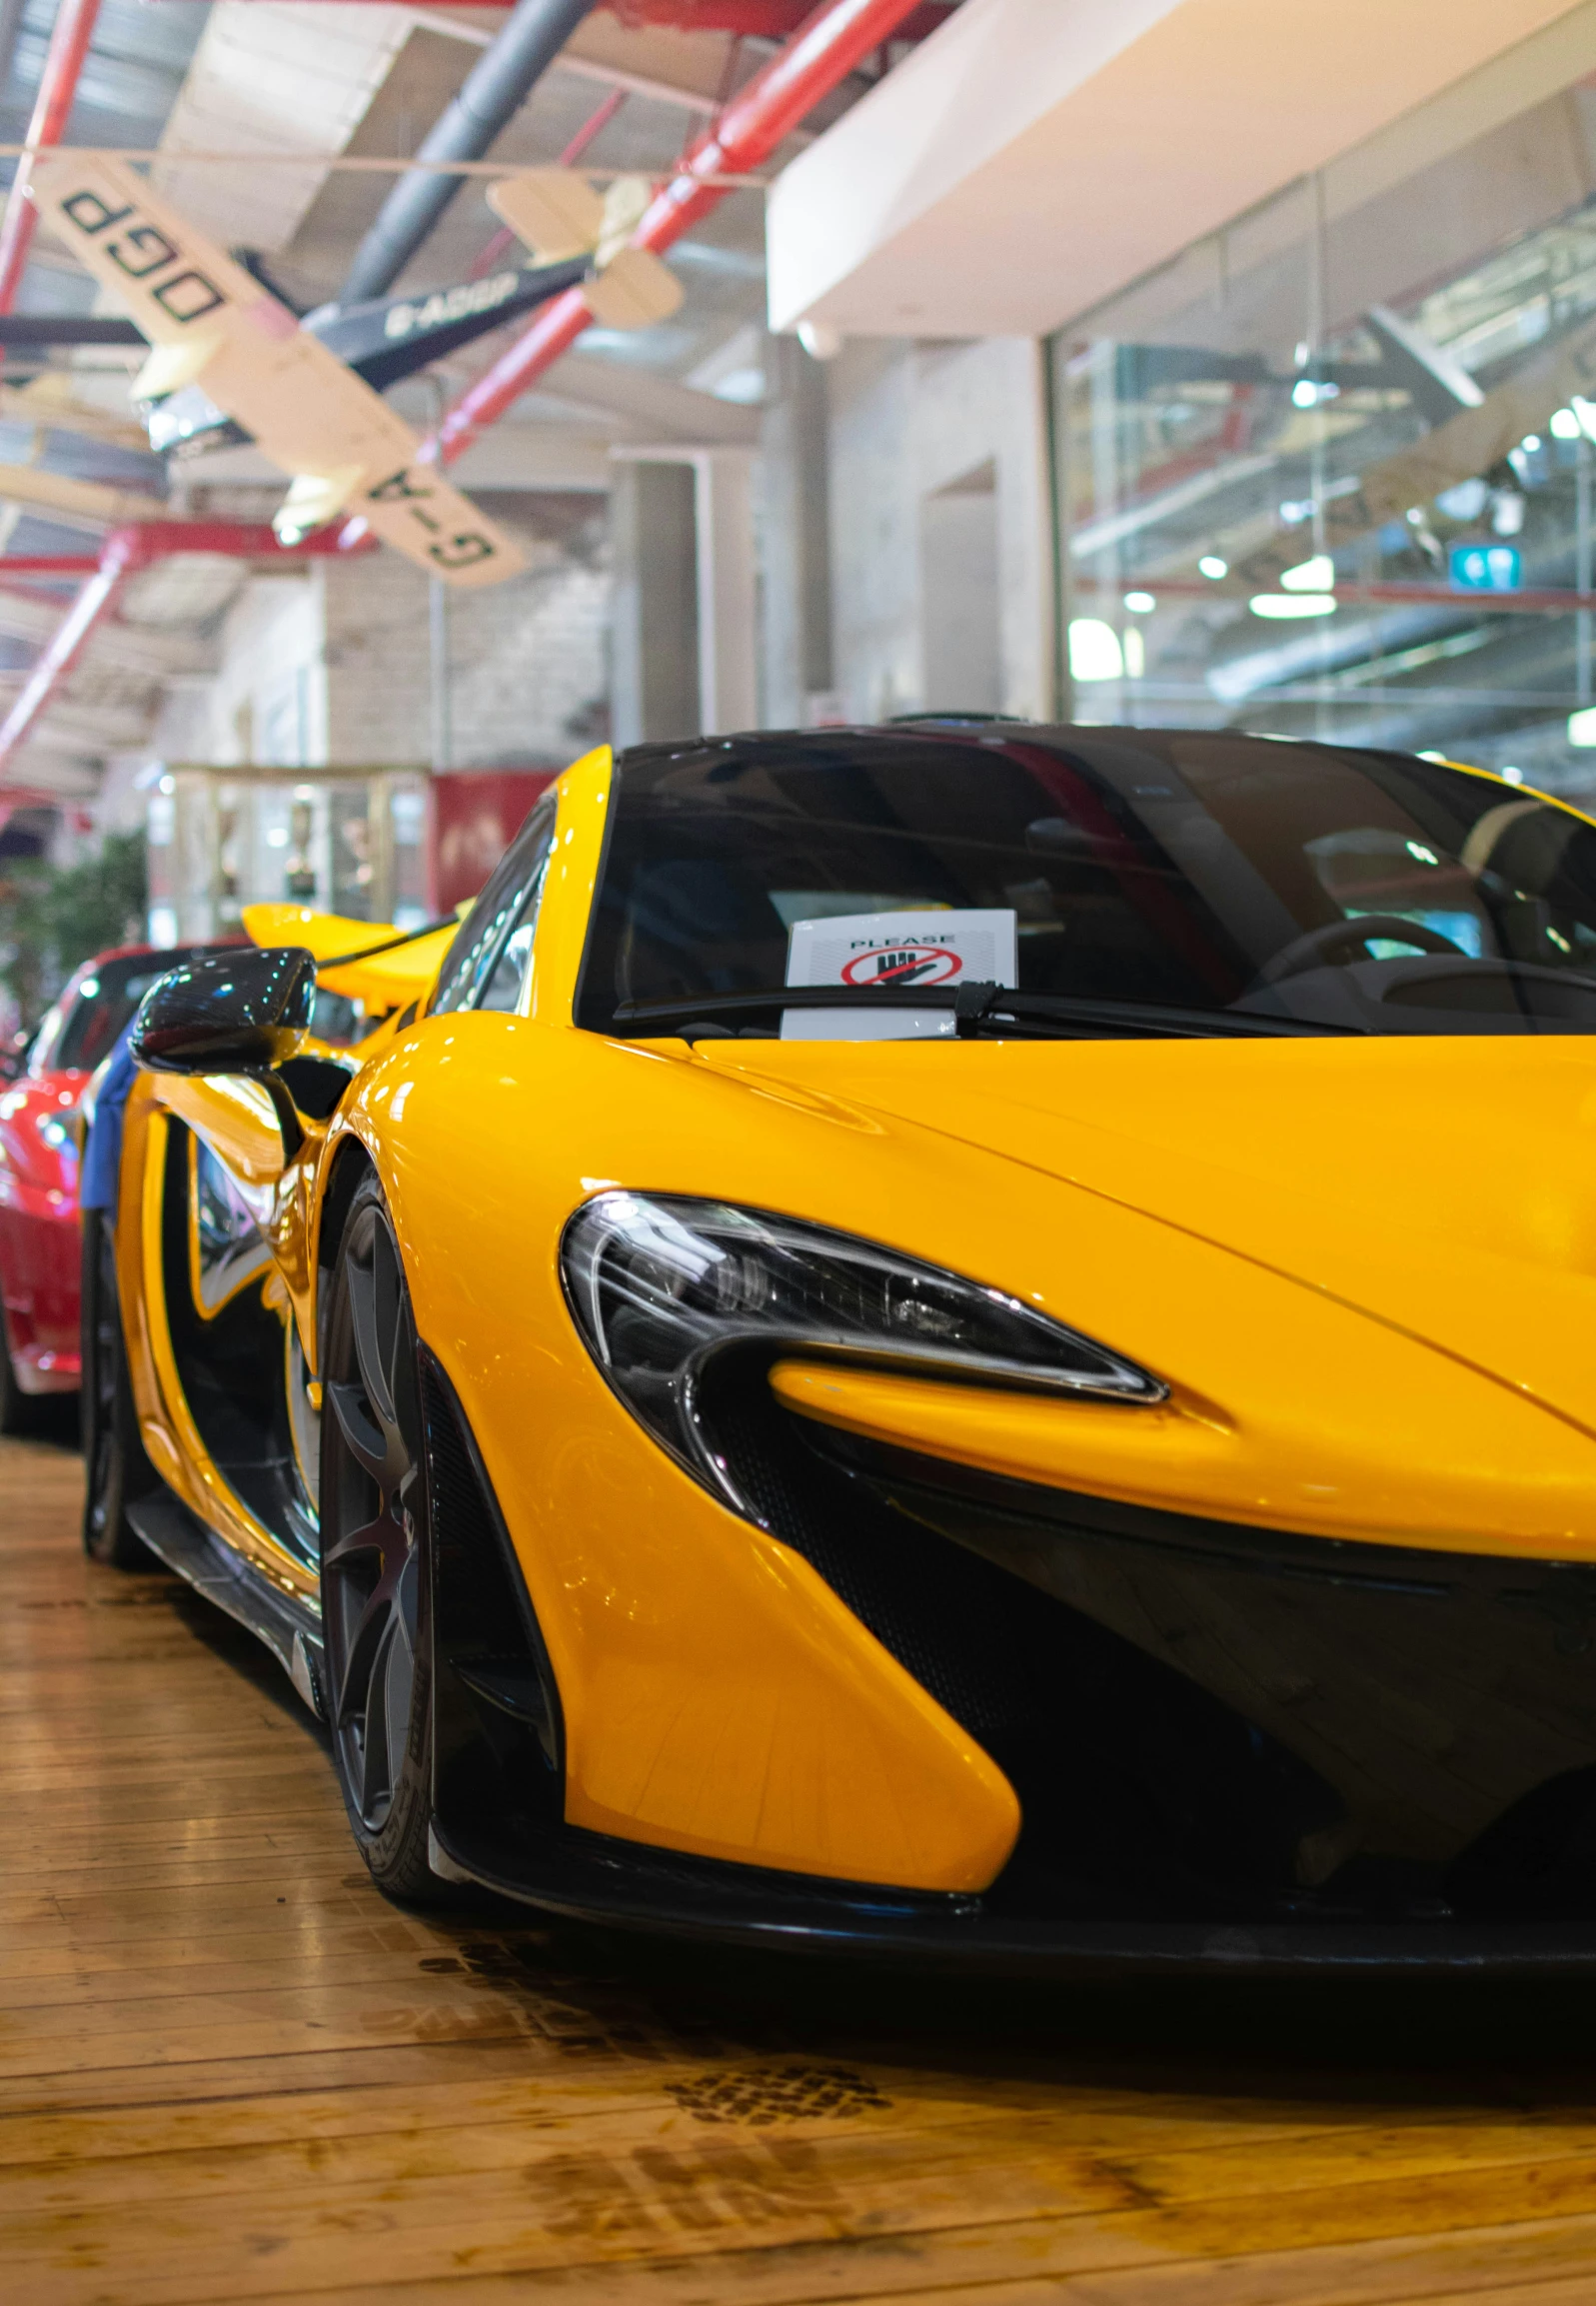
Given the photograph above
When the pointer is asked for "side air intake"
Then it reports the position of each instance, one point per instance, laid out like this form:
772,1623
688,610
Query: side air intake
499,1743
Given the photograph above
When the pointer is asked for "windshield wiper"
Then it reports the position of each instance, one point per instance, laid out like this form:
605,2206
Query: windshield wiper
982,1008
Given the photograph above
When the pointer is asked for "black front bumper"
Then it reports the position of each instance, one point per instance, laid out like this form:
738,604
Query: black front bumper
623,1886
1233,1748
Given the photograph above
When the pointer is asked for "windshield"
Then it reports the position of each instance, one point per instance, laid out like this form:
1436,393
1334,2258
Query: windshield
1199,871
101,1007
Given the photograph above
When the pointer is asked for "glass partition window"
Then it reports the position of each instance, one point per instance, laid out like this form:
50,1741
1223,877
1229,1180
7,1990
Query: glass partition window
1329,473
349,842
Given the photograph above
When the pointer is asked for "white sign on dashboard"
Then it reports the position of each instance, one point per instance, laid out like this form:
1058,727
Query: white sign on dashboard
899,951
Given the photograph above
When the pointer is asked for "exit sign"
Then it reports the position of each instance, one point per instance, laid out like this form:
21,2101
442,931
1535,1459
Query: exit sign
1485,568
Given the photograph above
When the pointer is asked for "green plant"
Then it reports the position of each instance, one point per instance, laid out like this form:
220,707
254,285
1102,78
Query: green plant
54,916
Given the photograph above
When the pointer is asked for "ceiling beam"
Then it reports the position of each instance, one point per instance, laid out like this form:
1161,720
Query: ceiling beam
601,52
156,652
657,405
273,81
78,504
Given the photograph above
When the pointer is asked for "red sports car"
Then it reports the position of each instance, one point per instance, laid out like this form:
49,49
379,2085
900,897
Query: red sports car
39,1242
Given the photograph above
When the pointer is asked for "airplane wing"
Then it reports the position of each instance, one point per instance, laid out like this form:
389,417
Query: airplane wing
50,401
208,320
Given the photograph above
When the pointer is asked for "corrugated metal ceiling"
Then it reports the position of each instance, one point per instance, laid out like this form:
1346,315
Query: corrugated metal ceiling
136,66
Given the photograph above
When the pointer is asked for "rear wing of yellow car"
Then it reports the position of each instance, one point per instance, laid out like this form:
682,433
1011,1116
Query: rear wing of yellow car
372,962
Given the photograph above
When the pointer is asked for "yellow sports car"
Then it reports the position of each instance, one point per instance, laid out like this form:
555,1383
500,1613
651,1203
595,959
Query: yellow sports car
965,1339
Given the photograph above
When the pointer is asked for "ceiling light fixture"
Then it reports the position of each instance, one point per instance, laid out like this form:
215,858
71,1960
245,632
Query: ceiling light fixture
1314,576
1286,605
1094,650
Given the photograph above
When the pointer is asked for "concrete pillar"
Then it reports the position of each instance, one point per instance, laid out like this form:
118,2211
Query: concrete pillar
795,541
655,644
685,594
961,639
723,497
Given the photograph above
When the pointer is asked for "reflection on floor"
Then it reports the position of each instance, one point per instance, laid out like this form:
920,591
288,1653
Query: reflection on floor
229,2070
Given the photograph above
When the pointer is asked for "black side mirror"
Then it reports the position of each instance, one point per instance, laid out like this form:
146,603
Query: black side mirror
241,1012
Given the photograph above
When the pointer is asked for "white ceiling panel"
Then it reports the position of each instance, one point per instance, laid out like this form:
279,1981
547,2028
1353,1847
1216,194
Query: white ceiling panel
1036,156
269,79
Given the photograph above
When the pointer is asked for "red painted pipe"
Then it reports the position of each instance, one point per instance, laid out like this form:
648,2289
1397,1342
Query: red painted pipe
234,539
61,652
58,84
821,53
126,551
48,564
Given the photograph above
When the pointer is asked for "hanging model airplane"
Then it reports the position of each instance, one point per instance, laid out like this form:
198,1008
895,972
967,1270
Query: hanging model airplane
212,322
578,237
382,342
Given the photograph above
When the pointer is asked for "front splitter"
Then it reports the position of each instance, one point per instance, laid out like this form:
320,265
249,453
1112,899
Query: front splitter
620,1885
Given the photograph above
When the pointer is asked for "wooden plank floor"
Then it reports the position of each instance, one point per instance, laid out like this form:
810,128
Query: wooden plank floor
229,2070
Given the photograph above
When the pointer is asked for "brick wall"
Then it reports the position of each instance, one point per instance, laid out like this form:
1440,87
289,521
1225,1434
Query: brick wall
529,673
268,701
332,664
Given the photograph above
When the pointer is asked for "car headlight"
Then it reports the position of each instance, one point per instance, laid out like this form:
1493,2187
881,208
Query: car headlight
662,1287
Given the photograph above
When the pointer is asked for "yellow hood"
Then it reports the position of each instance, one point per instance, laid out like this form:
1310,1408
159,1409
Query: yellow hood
1444,1186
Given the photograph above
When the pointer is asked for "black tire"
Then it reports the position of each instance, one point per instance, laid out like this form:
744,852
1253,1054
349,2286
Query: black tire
118,1471
376,1556
18,1413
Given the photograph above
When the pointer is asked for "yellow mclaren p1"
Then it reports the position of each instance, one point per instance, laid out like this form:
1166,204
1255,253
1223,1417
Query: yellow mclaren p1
964,1338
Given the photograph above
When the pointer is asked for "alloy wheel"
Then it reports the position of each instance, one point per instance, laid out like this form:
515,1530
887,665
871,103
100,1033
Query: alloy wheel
372,1520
